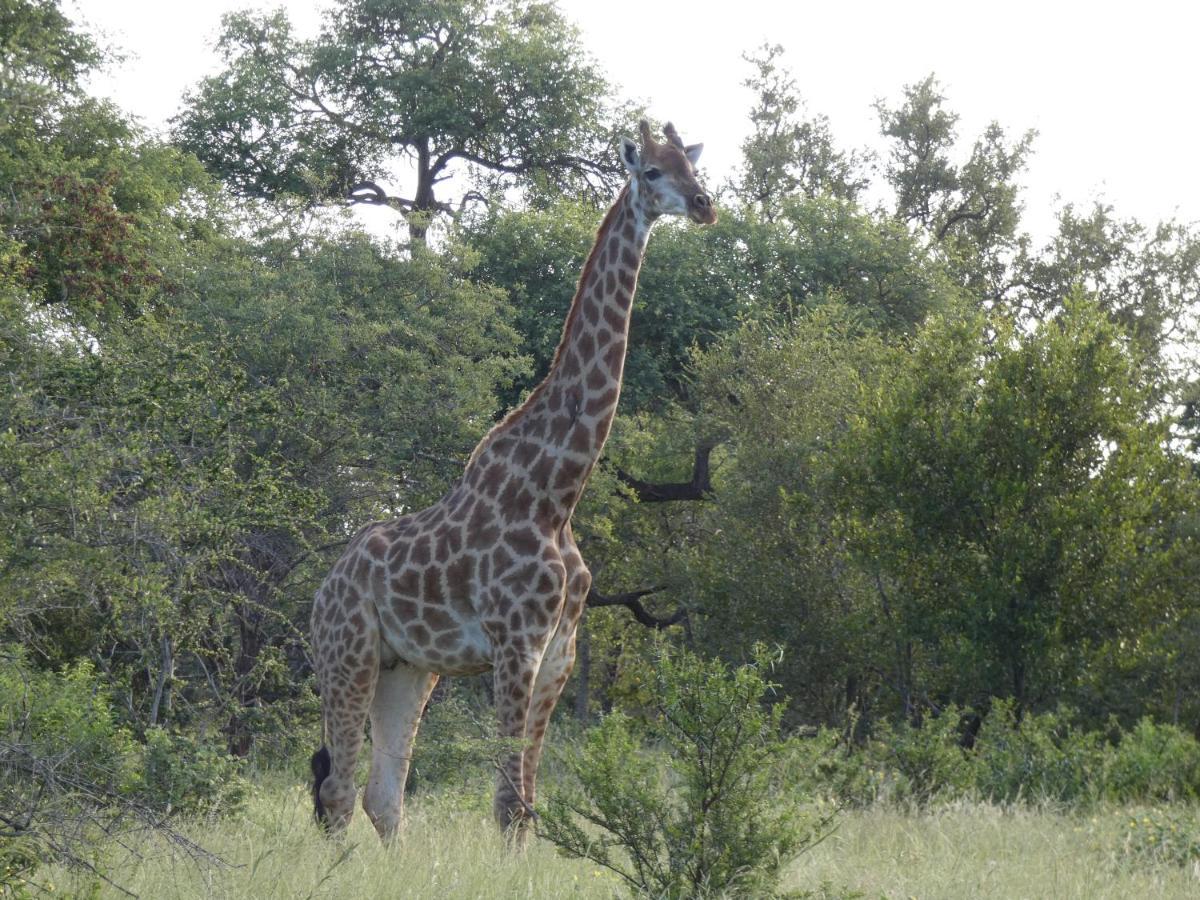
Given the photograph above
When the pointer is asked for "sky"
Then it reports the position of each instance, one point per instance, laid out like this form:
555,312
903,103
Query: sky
1110,88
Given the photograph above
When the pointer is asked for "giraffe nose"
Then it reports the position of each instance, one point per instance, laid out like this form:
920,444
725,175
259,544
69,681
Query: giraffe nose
702,201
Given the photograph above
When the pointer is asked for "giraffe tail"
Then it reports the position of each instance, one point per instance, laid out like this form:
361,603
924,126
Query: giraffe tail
321,765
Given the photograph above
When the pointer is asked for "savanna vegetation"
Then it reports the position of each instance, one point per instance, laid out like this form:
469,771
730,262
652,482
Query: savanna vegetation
894,543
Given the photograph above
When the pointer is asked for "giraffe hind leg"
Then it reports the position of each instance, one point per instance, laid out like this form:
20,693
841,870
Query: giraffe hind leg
347,661
400,697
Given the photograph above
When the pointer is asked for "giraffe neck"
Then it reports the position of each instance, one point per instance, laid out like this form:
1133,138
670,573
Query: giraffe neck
567,418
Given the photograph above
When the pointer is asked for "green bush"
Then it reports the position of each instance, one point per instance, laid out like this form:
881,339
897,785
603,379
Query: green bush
62,752
681,805
927,761
1037,757
1153,763
180,774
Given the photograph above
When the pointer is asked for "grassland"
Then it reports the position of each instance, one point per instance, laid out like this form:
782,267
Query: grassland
451,850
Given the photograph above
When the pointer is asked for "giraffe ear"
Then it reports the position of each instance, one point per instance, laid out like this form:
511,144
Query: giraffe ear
630,155
692,152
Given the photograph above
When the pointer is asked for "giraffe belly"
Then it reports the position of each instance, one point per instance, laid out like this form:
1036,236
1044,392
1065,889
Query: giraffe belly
463,649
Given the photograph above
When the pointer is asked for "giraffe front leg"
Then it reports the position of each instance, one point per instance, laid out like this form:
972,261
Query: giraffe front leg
556,667
515,672
400,696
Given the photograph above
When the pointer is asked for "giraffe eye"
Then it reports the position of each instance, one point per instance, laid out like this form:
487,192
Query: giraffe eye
652,174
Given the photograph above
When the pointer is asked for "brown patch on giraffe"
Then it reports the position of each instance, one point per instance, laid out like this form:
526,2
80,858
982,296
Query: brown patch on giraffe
627,278
438,619
493,478
602,430
614,357
597,378
397,556
586,345
559,427
407,583
419,634
610,282
377,546
591,313
630,259
623,299
581,439
422,552
501,560
515,502
520,580
525,541
629,232
615,320
502,447
527,451
432,592
449,640
362,571
601,402
482,527
540,472
569,472
458,578
570,364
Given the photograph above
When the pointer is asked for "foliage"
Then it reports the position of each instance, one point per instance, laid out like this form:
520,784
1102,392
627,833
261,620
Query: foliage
1158,836
692,816
497,92
1153,763
70,771
1037,757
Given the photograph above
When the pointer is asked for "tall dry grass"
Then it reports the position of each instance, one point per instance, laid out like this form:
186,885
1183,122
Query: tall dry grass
452,850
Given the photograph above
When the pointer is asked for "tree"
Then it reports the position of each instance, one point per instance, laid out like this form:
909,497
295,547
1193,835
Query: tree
1013,503
786,155
970,210
474,93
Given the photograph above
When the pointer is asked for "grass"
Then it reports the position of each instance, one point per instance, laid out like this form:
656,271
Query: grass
452,850
980,850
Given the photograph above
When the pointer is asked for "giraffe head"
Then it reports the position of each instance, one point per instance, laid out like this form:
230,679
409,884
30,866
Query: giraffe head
665,175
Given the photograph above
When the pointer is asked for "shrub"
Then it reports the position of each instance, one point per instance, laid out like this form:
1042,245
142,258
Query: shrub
928,761
1153,763
1039,757
691,814
180,774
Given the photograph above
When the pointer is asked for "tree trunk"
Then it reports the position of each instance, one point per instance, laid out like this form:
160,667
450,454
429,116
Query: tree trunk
583,670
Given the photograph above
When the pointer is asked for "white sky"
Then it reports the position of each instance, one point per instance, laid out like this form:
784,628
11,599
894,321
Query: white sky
1111,88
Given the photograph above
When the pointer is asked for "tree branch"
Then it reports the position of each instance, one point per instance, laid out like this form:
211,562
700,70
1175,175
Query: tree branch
697,488
631,600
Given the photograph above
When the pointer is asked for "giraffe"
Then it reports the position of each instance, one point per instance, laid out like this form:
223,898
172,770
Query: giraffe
490,577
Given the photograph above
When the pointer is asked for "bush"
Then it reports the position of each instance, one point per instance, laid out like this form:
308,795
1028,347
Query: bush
690,813
62,752
182,775
1039,757
1153,763
928,761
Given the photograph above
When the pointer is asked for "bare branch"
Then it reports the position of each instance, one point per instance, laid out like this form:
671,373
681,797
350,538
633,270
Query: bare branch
697,488
631,600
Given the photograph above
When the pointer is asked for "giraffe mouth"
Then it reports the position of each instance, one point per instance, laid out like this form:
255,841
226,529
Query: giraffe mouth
703,215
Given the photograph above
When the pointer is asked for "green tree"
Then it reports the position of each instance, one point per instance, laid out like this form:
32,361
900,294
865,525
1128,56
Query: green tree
970,210
786,154
404,91
1010,502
